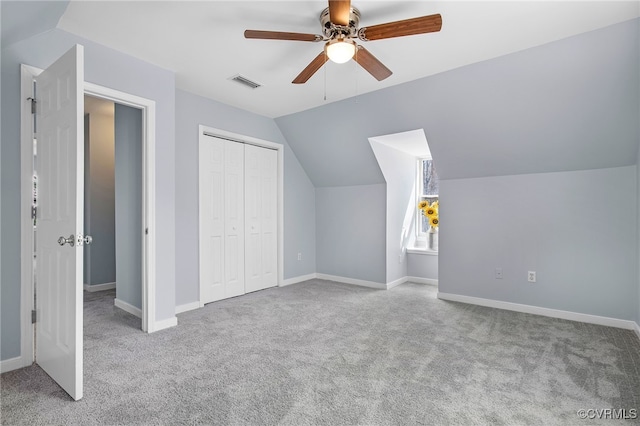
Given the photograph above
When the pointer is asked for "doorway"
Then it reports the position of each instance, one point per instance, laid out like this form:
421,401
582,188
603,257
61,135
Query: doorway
113,201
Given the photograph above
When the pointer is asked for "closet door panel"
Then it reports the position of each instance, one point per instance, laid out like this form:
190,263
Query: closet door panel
211,221
234,219
252,220
261,218
269,222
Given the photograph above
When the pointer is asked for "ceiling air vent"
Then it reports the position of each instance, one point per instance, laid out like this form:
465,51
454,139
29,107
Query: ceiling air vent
245,81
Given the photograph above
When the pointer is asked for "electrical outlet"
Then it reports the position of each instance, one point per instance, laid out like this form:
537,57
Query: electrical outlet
299,256
531,276
498,273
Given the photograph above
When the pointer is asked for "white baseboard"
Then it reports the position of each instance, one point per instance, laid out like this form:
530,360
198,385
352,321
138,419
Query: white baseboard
162,324
420,280
396,283
637,329
345,280
11,364
362,283
536,310
417,280
128,307
299,279
187,307
99,287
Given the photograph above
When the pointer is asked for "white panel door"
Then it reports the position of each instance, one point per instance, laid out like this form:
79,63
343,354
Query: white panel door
261,218
221,219
269,185
234,219
60,168
211,220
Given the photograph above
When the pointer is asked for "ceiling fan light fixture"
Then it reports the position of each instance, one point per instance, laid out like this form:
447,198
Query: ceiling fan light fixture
340,50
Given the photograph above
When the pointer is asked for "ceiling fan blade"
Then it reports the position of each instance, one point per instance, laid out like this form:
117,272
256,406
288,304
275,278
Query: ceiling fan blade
371,64
421,25
278,35
311,69
339,11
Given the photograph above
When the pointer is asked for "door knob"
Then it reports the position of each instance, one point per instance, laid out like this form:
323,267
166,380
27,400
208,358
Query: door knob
71,240
86,240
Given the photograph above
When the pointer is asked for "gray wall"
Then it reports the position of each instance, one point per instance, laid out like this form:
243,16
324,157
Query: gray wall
87,210
568,105
99,201
399,170
128,204
350,231
422,266
299,195
577,230
108,68
638,245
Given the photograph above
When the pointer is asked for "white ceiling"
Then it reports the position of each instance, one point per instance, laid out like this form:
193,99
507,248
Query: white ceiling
203,42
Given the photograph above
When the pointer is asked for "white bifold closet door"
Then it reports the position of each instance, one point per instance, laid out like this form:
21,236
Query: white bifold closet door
238,219
221,220
260,218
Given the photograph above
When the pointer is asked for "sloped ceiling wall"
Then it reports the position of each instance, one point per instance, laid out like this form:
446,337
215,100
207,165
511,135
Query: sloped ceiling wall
29,18
567,105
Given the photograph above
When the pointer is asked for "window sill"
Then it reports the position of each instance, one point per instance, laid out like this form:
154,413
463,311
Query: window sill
422,251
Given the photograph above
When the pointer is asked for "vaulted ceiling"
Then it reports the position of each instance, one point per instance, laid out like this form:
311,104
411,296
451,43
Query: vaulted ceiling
504,88
568,105
203,42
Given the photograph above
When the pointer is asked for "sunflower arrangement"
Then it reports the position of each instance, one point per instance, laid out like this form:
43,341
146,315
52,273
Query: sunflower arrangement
431,212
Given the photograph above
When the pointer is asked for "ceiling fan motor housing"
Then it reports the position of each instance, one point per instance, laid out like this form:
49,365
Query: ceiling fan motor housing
332,31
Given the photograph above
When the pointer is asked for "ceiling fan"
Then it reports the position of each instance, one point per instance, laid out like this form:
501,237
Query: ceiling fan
339,29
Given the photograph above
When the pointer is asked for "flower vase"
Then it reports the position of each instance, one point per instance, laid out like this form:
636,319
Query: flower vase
432,239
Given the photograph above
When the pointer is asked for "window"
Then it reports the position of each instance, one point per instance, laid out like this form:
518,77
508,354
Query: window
428,188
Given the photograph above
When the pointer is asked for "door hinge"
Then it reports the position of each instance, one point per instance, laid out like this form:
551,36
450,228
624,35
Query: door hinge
34,212
33,104
33,316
